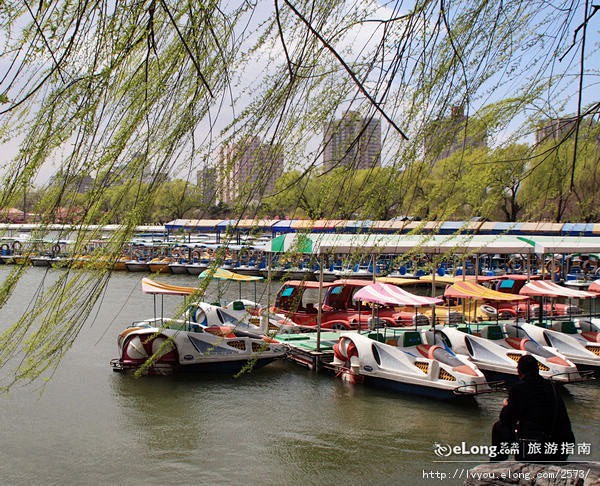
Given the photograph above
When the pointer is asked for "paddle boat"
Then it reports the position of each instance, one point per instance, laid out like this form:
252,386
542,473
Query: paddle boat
532,286
179,267
359,272
564,338
138,262
399,359
249,269
166,346
299,301
160,264
589,328
179,261
196,267
403,363
497,354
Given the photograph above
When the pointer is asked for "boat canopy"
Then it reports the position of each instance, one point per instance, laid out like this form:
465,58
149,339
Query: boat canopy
562,244
544,288
152,287
222,274
401,281
310,284
387,294
595,286
472,290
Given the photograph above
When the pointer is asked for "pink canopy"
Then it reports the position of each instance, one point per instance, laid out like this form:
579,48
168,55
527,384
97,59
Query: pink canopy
595,287
387,294
544,288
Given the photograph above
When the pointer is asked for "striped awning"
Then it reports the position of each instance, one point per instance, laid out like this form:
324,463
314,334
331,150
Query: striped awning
544,288
387,294
472,290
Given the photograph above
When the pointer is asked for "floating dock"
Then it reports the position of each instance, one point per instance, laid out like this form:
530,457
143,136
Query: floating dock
304,349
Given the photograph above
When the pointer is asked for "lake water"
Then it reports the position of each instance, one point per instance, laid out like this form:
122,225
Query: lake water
279,425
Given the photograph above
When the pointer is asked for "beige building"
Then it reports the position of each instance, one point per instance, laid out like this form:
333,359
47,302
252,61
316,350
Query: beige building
207,180
353,142
450,134
249,170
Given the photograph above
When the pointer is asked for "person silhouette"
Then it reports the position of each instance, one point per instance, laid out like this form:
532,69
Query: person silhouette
535,416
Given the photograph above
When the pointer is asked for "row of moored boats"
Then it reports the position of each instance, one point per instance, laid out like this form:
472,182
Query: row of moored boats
374,333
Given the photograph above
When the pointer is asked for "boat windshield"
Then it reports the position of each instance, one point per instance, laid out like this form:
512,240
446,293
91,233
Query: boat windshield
227,318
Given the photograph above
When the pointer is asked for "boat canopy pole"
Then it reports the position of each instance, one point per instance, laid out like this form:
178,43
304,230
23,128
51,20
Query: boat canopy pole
434,269
320,306
269,262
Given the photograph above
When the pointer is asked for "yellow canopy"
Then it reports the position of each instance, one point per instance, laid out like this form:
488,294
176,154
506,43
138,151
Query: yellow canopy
446,279
222,274
399,280
472,290
152,287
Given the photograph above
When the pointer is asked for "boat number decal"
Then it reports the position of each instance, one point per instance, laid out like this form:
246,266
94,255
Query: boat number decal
188,357
368,368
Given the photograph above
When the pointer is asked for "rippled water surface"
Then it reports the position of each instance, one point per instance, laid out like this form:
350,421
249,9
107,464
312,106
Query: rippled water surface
280,425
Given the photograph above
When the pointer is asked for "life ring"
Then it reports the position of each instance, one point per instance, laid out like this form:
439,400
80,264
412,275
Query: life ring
344,349
16,245
509,265
488,309
427,350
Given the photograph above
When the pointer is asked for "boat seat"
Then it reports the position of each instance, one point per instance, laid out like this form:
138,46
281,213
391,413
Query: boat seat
411,338
238,306
567,327
377,336
494,333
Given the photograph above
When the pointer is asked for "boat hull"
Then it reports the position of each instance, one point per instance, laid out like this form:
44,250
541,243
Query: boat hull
178,268
195,269
230,367
159,268
137,267
412,389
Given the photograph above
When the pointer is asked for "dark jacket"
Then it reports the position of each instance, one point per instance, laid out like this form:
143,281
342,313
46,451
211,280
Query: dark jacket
537,412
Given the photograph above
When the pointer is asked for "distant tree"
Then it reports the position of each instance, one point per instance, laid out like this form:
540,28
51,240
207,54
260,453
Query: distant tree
174,199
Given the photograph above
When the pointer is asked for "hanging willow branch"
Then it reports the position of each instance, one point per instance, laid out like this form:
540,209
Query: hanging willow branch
137,91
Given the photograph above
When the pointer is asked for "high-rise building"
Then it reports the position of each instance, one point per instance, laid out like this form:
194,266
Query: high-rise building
207,180
449,134
353,142
557,129
250,169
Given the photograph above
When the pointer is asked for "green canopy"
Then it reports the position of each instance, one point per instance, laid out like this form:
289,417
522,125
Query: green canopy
291,242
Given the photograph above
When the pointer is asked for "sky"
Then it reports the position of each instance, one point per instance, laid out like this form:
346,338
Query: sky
360,38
